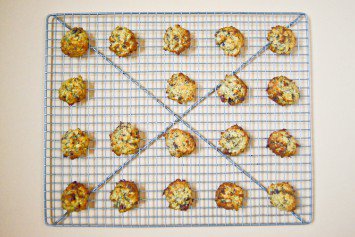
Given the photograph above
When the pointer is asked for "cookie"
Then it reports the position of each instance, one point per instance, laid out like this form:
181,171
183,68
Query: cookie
229,196
282,196
181,88
75,197
179,143
75,42
125,196
282,143
176,39
234,141
230,40
232,90
282,40
73,90
283,91
122,41
125,139
179,195
75,143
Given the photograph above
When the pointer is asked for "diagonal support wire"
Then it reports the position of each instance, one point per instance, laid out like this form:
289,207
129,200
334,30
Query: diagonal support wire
178,118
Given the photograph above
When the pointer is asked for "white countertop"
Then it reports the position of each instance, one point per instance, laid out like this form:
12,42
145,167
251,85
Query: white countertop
21,122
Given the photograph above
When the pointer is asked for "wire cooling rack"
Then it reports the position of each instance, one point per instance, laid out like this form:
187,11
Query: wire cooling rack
132,89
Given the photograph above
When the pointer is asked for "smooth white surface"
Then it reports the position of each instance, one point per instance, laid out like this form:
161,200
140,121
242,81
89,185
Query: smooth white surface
21,121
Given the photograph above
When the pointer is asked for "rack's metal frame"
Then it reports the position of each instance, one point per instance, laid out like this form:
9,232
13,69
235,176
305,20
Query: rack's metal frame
178,117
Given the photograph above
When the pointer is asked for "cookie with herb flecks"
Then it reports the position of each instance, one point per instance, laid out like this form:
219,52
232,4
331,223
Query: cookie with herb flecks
282,196
75,143
75,197
123,41
125,139
230,40
176,39
229,196
233,90
180,143
234,141
181,88
125,196
75,42
179,195
282,143
282,40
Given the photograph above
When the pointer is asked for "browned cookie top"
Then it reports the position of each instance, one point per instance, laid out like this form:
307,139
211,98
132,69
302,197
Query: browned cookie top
282,143
75,42
230,40
125,196
282,40
229,196
283,91
75,143
234,141
232,90
123,41
75,197
282,196
179,195
176,39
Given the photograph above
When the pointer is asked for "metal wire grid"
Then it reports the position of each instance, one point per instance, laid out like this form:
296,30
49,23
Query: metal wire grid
126,89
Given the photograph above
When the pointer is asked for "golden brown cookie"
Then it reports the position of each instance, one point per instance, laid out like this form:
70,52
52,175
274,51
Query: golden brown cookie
125,196
282,196
125,139
179,143
75,42
282,40
283,91
181,88
230,40
73,90
234,141
282,143
229,196
75,197
232,90
122,41
179,195
75,143
176,39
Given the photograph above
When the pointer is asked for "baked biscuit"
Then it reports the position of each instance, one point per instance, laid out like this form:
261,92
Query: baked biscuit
179,143
283,91
282,196
176,39
234,141
125,196
73,90
229,196
282,143
230,40
232,90
282,40
181,88
75,143
122,41
125,139
179,195
75,197
75,42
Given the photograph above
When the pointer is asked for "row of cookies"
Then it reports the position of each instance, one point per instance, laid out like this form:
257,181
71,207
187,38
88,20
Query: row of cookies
125,140
179,195
182,89
123,41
